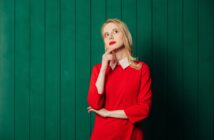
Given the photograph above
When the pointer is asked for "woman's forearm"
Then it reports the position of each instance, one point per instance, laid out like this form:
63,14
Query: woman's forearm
100,81
117,114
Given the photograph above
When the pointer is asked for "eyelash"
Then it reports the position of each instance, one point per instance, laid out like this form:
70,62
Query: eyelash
114,32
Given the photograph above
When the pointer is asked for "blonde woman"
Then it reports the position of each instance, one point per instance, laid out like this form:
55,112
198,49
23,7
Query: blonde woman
120,87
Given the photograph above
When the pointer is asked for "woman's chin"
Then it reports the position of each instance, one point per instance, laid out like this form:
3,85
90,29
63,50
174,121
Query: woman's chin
114,47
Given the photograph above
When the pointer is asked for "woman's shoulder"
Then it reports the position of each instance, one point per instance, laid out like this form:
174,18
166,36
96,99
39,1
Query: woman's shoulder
141,65
96,66
144,64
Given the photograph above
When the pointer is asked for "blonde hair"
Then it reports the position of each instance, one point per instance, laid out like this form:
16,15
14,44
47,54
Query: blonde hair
127,40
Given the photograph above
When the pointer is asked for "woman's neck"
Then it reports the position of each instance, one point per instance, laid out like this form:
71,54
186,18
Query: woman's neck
121,53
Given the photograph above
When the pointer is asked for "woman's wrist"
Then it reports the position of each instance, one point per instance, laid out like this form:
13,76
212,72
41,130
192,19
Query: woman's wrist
108,113
102,69
116,114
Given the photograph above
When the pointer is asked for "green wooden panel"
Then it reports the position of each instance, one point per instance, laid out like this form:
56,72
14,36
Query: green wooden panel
22,70
190,69
205,70
114,9
68,62
48,49
7,70
52,70
159,59
37,73
175,93
130,18
82,68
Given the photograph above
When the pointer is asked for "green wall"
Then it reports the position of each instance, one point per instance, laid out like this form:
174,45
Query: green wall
48,48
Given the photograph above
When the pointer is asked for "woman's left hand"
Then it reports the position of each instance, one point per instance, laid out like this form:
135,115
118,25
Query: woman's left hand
102,112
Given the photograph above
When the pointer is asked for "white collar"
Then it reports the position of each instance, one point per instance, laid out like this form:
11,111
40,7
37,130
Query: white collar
123,62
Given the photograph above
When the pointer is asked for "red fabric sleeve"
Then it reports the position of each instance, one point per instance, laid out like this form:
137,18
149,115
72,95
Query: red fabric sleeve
95,100
141,110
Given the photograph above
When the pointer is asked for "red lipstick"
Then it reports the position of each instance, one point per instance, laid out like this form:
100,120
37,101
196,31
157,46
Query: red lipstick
112,42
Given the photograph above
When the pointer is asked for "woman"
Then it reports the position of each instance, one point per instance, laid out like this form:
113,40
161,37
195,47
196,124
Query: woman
120,87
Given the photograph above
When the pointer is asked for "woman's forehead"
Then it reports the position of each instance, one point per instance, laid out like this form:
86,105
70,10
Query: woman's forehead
110,27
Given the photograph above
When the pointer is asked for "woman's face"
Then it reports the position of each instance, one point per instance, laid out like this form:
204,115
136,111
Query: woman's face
113,37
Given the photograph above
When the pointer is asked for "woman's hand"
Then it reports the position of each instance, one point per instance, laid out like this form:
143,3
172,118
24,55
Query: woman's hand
109,55
102,112
106,113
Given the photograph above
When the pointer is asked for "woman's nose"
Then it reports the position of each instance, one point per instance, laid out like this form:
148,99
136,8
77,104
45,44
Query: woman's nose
111,36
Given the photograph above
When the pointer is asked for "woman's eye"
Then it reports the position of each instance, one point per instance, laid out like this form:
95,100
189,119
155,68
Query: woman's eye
115,31
106,35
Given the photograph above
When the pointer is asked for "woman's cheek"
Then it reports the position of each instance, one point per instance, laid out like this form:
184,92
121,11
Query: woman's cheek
106,44
120,43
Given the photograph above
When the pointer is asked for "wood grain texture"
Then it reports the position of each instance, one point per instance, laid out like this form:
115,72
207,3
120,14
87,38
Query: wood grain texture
48,49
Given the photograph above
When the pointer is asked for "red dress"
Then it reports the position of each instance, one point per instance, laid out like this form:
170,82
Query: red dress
125,89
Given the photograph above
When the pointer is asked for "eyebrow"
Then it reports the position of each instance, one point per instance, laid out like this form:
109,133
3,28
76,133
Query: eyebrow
112,30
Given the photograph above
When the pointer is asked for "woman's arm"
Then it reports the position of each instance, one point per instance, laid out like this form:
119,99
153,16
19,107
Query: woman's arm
117,114
100,81
95,98
97,81
106,113
108,56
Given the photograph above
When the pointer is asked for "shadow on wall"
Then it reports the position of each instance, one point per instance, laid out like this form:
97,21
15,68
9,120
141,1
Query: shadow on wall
169,118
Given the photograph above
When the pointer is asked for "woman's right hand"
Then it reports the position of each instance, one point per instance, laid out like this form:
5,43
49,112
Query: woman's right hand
108,56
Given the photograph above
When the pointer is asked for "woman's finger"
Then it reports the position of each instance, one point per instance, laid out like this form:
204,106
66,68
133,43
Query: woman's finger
109,57
89,109
92,110
109,50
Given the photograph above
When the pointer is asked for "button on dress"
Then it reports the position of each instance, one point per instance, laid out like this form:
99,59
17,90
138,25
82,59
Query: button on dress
126,89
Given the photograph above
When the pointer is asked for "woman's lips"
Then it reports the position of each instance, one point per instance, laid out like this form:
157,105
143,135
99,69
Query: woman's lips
112,42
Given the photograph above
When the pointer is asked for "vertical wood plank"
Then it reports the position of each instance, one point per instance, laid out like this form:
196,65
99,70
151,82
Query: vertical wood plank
7,70
205,70
37,93
68,29
83,13
113,9
52,70
144,30
175,62
190,68
97,20
159,69
22,69
129,16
